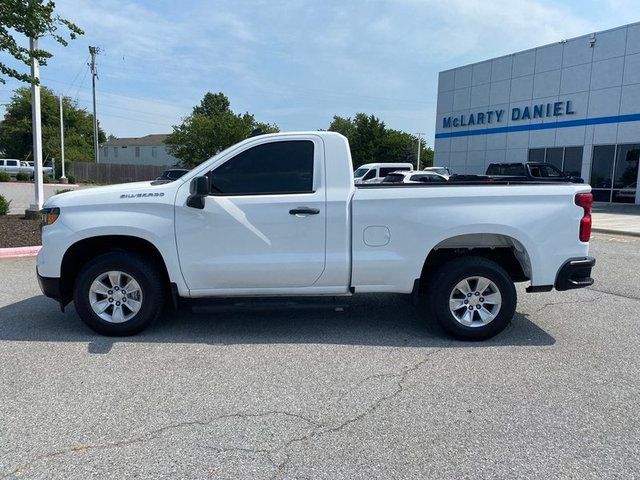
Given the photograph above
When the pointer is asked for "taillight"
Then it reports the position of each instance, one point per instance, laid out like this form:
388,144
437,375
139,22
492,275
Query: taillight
585,200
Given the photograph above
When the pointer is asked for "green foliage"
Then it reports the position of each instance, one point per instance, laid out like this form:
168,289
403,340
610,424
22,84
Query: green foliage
371,141
23,177
5,177
29,19
63,190
71,178
211,127
47,179
15,129
4,205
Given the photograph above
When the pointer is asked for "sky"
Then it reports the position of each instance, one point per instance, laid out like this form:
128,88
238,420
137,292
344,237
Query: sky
295,63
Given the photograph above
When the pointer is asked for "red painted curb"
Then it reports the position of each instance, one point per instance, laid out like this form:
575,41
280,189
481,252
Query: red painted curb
16,252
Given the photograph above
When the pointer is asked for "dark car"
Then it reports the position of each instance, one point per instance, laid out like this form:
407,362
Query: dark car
172,174
530,171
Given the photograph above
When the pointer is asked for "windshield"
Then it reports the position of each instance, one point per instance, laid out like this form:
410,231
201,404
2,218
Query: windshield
360,172
441,171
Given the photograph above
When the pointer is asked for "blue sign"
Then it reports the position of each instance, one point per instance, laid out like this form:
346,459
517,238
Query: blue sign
541,110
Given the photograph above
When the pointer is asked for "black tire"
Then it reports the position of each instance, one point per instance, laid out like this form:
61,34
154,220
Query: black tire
443,282
144,272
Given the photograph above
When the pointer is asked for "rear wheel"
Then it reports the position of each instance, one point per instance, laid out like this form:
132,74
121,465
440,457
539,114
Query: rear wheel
118,294
473,298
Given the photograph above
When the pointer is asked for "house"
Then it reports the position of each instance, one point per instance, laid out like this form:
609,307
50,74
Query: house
147,150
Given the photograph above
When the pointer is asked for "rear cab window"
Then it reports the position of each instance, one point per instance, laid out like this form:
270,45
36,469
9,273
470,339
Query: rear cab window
545,171
516,170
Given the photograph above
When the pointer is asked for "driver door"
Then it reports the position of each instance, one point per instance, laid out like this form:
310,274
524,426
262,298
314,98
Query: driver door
262,226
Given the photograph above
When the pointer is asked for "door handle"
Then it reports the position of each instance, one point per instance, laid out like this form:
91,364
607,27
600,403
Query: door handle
303,211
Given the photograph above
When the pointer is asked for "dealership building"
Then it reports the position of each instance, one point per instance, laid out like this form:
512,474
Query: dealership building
574,104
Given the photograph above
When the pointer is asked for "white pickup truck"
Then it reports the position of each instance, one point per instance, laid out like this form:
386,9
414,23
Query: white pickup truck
13,166
280,215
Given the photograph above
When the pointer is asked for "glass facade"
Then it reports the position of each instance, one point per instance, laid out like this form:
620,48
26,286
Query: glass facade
614,173
567,159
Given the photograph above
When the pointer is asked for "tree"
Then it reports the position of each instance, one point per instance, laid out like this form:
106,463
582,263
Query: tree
16,133
32,19
371,141
211,127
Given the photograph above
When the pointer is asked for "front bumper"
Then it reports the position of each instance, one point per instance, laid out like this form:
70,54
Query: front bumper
50,286
575,273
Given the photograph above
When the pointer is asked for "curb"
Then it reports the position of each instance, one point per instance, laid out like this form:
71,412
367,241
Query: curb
16,252
612,231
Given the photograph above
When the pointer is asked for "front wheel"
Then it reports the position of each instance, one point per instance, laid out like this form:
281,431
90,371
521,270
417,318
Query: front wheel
472,298
118,293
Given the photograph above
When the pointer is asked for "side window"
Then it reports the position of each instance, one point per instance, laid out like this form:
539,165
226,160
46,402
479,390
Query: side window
12,163
270,168
370,174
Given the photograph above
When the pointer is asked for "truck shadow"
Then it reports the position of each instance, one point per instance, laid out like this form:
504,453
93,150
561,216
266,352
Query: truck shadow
368,320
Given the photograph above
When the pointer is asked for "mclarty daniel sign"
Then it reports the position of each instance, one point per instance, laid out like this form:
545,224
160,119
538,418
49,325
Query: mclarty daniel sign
526,112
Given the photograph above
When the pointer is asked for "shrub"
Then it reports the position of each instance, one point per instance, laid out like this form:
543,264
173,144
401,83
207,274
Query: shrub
63,190
4,205
5,177
23,177
71,179
47,179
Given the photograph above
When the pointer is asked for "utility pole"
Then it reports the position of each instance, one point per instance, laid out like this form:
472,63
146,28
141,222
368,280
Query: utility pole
63,178
36,126
419,135
93,51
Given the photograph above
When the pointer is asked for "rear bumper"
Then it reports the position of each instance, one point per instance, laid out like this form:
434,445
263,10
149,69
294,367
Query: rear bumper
575,273
50,286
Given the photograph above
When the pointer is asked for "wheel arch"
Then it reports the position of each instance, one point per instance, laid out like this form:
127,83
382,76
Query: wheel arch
81,252
503,249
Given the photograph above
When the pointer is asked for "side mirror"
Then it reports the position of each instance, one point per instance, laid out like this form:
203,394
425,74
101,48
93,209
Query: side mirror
198,191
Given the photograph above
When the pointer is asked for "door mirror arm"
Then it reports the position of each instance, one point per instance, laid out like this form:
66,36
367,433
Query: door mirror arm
198,191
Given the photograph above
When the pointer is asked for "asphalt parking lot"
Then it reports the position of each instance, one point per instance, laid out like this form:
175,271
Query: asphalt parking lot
230,392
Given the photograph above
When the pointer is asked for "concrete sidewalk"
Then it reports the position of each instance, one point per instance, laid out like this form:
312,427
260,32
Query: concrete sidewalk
616,218
22,194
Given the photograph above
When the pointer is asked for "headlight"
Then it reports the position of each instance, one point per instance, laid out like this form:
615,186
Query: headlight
49,216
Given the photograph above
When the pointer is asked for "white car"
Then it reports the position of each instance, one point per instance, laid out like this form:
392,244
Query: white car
279,214
376,172
13,166
414,177
444,171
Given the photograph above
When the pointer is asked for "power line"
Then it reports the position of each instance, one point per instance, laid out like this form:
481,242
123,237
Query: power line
86,70
82,66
